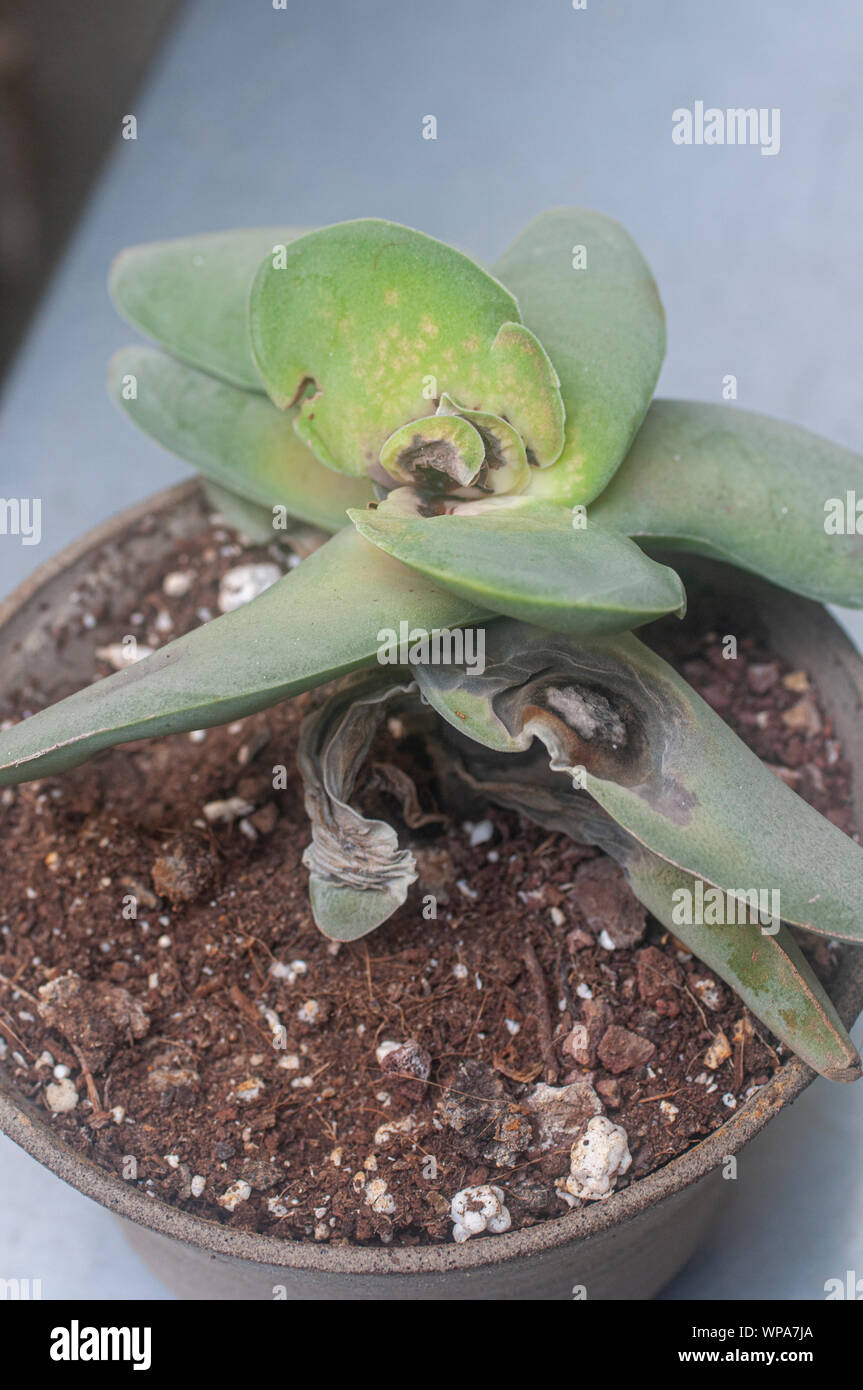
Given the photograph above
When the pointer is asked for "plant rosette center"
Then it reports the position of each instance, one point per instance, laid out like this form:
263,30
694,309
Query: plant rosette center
463,454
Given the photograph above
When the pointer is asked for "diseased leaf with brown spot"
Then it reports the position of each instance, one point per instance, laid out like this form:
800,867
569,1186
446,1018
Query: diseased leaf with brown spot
767,970
658,759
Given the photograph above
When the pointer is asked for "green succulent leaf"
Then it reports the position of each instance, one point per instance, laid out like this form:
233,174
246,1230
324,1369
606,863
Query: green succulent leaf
321,620
585,290
382,320
661,763
191,294
358,876
766,968
530,560
236,439
743,488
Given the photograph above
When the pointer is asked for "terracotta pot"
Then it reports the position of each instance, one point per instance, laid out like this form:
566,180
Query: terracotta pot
627,1247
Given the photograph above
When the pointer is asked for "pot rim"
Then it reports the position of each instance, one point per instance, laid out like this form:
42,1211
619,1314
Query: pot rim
27,1126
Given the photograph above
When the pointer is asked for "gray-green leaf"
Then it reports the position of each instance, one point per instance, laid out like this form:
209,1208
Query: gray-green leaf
585,290
661,763
531,560
235,438
766,968
191,294
743,488
358,876
320,621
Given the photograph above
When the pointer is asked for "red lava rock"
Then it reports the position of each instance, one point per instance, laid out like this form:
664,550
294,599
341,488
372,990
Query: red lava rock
183,870
576,1045
597,1016
609,1089
266,819
436,871
620,1050
761,676
607,902
406,1070
803,717
658,978
578,940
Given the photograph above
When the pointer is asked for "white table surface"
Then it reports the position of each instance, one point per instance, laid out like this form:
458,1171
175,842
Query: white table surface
312,115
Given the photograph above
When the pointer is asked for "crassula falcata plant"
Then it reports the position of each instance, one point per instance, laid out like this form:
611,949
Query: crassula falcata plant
482,449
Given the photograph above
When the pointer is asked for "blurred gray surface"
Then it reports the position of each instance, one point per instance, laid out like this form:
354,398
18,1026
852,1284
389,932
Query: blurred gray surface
314,114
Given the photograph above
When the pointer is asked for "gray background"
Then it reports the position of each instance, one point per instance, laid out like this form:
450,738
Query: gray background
314,114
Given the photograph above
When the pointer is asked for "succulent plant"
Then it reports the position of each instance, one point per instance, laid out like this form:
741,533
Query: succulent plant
483,449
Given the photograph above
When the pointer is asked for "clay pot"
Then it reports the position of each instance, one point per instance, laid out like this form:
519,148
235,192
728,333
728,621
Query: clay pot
627,1247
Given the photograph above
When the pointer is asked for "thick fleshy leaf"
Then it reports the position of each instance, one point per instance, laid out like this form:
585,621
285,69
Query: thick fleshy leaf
585,290
319,621
383,320
529,560
437,451
506,469
766,968
237,439
191,294
744,488
358,876
663,765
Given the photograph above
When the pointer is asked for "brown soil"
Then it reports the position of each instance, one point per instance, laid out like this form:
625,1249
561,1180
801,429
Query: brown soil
217,1038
